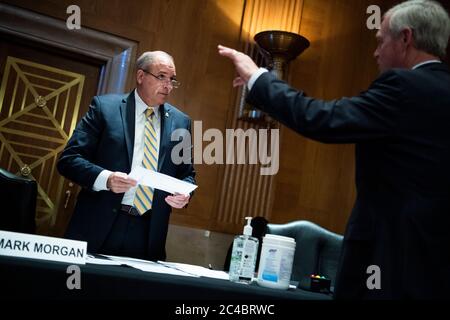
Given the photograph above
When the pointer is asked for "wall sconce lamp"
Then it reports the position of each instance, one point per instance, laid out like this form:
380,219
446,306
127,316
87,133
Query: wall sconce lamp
279,48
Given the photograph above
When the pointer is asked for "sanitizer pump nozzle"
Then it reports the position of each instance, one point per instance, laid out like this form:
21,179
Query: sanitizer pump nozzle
248,229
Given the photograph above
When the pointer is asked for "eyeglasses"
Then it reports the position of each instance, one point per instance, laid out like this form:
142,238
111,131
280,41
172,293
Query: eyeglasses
173,82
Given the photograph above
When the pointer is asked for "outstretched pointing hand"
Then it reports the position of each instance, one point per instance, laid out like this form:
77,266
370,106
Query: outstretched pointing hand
245,66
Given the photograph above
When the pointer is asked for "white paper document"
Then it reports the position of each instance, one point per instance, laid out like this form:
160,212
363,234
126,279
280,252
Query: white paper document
95,260
161,181
148,266
196,270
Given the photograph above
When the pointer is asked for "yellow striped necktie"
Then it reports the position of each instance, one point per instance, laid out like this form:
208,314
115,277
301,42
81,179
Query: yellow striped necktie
144,195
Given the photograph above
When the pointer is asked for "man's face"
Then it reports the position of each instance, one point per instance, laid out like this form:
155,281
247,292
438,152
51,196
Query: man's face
152,90
390,51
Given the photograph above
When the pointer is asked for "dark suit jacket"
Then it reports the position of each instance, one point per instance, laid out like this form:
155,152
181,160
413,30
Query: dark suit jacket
401,218
104,139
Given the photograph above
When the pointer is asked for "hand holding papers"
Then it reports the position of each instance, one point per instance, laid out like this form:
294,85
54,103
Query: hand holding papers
161,181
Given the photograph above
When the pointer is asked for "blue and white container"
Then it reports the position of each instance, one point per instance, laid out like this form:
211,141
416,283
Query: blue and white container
277,257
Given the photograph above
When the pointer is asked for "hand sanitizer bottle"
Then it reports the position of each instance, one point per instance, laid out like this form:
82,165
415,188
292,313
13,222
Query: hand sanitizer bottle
243,256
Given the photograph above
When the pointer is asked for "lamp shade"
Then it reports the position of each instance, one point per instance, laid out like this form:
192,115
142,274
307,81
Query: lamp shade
282,43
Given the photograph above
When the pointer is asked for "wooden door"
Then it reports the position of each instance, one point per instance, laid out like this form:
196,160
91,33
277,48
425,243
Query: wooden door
44,92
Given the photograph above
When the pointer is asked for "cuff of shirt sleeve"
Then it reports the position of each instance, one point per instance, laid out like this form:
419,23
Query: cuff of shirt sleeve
100,183
255,77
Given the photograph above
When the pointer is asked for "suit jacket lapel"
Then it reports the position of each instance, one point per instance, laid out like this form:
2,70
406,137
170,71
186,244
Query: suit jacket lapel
166,130
128,108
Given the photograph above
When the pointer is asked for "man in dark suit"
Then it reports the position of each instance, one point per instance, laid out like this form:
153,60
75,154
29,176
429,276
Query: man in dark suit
118,133
400,222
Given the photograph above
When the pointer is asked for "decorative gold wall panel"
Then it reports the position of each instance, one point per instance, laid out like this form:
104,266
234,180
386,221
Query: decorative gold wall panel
38,111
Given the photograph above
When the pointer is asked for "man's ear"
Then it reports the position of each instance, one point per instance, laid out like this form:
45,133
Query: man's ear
139,76
407,37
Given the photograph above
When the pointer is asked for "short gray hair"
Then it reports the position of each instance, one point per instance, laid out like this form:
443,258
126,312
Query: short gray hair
428,20
148,58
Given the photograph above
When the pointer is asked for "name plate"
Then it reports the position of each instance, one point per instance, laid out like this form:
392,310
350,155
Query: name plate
41,247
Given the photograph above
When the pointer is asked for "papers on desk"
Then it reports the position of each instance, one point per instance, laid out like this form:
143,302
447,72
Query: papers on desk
179,269
147,266
143,265
102,261
196,270
161,181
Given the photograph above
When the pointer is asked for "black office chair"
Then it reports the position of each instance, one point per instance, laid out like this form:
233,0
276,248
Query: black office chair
18,203
317,250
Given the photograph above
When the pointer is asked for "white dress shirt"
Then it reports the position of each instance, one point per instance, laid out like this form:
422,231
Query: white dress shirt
138,149
254,77
425,62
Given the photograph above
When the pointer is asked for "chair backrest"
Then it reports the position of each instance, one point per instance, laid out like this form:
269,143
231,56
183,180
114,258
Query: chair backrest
18,203
317,250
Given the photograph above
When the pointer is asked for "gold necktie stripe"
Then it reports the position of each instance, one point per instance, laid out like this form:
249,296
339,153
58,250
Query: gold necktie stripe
143,199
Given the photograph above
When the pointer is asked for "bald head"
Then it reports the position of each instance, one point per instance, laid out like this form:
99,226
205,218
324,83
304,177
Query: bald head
150,57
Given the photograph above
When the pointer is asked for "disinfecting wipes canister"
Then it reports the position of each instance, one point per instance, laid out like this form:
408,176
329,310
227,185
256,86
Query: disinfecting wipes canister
277,257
